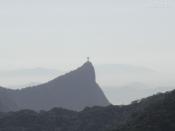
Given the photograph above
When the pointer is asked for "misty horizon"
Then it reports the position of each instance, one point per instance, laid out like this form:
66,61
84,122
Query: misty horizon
56,34
105,72
122,83
131,44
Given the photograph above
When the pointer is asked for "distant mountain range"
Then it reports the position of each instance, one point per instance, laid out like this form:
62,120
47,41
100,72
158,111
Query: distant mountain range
108,74
75,91
21,78
122,83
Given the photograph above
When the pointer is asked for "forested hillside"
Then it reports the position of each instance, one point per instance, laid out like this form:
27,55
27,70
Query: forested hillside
155,113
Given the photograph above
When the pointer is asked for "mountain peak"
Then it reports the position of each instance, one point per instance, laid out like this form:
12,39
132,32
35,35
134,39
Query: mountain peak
75,90
87,70
88,66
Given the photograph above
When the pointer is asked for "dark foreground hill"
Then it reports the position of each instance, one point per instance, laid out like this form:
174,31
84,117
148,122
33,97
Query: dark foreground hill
75,91
155,113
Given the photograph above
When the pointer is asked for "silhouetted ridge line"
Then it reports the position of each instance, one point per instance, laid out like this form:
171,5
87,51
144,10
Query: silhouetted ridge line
85,71
75,91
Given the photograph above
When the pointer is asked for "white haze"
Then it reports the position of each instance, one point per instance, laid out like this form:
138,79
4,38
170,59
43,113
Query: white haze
136,36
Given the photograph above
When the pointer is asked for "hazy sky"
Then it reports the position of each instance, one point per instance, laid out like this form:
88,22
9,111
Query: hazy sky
62,33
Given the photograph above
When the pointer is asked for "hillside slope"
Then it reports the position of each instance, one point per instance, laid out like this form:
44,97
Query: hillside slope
75,91
155,113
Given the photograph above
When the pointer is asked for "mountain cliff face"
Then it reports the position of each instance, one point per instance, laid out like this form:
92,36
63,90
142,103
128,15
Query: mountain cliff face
75,91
